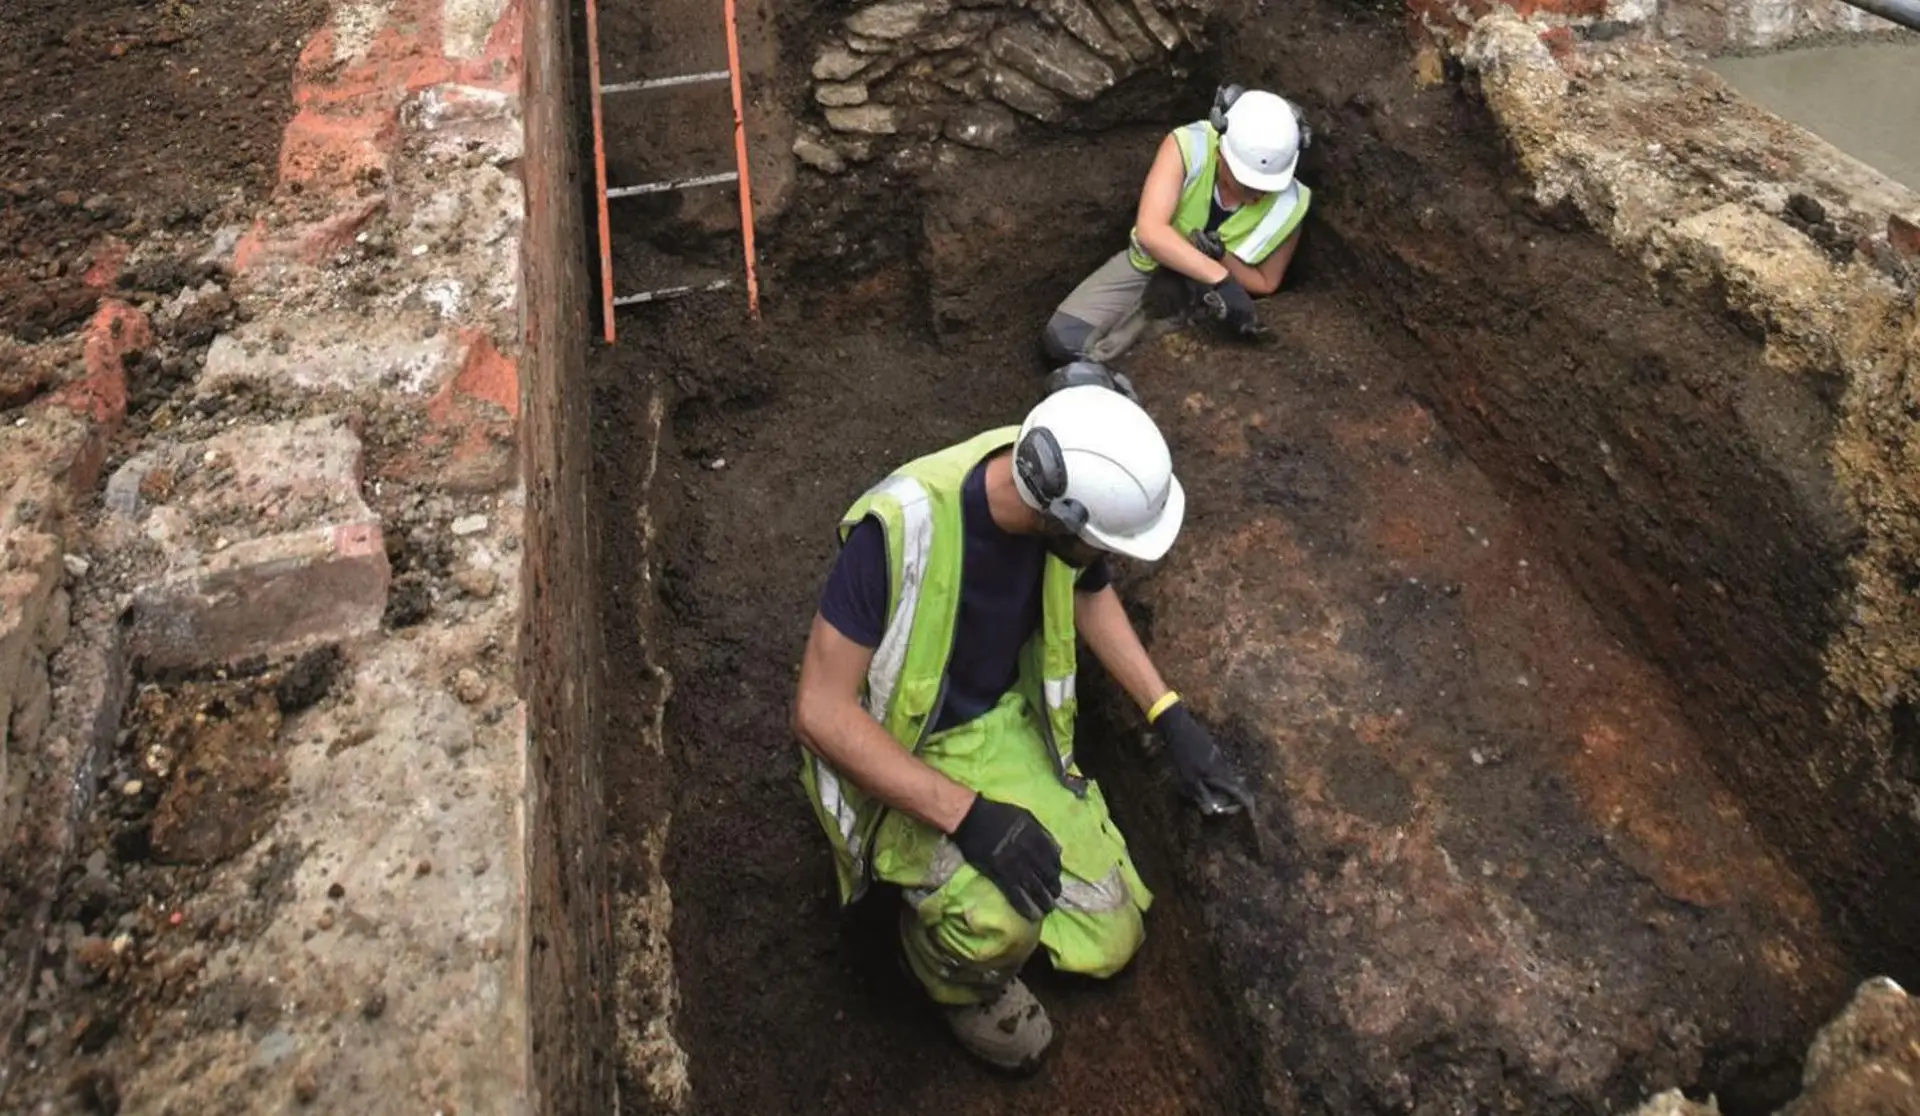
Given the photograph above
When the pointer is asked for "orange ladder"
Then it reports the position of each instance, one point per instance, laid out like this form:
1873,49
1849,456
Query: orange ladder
609,301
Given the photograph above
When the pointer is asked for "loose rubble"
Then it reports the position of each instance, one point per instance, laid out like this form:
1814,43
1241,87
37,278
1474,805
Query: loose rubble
258,538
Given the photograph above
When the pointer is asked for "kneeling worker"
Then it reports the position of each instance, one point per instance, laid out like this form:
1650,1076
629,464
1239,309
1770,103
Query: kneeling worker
1219,218
936,700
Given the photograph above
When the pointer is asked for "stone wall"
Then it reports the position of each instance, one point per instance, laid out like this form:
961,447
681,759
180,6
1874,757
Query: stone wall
976,71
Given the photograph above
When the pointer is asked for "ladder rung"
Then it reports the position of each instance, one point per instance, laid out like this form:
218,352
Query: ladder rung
674,184
661,83
671,292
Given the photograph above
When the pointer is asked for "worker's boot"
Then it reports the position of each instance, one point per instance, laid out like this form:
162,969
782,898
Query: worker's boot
1010,1031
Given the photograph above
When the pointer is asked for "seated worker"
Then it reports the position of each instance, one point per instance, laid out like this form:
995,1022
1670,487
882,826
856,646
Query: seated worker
936,705
1218,220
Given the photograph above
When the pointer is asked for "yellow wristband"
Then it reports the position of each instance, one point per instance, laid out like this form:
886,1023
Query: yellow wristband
1166,701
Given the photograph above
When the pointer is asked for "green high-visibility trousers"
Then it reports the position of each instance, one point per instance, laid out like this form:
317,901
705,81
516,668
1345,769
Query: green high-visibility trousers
962,938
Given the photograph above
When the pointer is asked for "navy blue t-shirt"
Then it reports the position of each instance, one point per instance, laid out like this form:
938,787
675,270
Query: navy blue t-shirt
999,600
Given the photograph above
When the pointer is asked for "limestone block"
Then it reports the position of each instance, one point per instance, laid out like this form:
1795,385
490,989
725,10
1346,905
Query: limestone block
1078,17
837,63
894,19
836,94
957,30
809,149
868,119
854,149
1054,61
1118,17
1867,1059
1163,29
965,77
344,353
986,126
1017,91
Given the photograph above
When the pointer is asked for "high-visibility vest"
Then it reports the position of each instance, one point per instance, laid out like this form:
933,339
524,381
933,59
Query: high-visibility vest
1251,232
919,506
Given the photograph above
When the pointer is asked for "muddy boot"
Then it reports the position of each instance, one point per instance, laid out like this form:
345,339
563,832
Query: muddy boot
1010,1031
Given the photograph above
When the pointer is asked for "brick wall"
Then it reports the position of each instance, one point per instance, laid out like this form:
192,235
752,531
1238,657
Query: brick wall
568,966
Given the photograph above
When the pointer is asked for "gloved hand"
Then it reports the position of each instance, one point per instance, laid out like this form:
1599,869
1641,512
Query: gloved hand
1208,242
1205,775
1009,846
1232,305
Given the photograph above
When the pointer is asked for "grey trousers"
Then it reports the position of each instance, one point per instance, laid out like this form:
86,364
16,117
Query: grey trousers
1112,308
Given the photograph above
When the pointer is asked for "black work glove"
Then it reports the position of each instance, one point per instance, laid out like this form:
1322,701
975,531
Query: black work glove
1205,775
1208,242
1009,846
1232,305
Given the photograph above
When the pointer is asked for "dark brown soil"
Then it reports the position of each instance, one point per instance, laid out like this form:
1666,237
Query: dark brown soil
786,1010
123,118
902,313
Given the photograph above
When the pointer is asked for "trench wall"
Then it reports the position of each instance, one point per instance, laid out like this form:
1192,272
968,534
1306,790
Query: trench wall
569,964
1681,334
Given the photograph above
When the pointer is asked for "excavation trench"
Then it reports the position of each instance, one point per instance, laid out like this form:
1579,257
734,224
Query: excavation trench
1504,859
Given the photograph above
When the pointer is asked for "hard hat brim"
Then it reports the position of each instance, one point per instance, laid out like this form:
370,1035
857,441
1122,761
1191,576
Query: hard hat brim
1151,543
1252,179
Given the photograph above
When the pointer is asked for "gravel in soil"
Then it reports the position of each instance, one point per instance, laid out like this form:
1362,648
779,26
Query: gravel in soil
195,780
130,117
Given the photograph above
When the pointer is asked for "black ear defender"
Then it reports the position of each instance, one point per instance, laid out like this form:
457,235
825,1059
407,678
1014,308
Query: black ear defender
1089,373
1223,99
1043,469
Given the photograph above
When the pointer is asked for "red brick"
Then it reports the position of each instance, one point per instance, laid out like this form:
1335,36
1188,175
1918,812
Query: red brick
1903,232
265,596
489,375
289,553
337,153
100,394
108,257
1559,42
311,242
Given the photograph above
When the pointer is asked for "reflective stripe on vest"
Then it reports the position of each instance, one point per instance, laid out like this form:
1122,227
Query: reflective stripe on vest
919,506
916,534
1251,232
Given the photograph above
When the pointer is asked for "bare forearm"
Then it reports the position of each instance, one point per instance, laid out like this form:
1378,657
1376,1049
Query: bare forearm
1165,244
847,737
1252,278
1109,634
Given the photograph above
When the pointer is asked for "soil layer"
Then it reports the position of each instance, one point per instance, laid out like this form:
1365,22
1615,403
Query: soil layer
127,117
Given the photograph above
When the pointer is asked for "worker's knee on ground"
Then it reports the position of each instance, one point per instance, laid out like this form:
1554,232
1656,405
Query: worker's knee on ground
974,926
1095,945
1065,338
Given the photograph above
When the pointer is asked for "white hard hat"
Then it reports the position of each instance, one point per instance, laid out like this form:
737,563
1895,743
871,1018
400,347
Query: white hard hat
1261,141
1090,459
